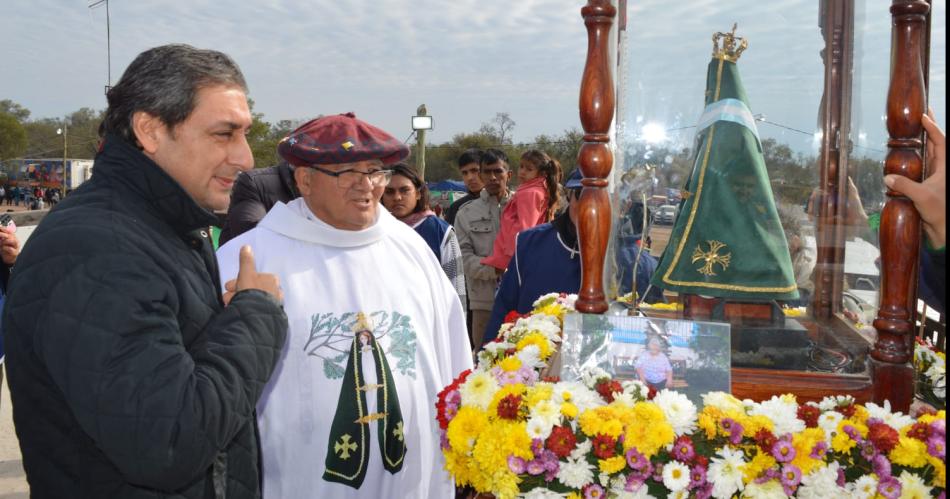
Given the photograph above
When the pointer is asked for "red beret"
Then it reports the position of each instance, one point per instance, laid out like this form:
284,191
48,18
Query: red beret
340,139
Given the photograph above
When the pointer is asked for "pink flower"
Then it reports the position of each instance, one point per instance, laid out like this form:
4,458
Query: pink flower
783,451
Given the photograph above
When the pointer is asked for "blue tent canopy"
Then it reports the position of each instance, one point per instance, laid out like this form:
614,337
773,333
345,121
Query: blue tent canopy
447,185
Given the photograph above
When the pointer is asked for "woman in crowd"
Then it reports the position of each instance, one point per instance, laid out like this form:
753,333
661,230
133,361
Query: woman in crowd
407,198
534,203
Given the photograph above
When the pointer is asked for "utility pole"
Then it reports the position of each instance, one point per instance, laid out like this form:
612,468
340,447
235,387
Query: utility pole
65,155
421,146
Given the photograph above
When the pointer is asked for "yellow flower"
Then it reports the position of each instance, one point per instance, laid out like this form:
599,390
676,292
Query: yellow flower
758,465
612,465
601,421
647,429
753,424
841,441
512,389
909,452
930,418
940,472
554,309
539,392
574,495
491,453
861,415
465,427
569,410
510,364
538,339
708,424
804,442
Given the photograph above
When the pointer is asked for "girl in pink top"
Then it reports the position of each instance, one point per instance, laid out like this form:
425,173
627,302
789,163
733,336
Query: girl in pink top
532,204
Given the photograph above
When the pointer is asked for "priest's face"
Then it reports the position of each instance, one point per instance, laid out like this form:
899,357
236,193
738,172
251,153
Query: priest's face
349,201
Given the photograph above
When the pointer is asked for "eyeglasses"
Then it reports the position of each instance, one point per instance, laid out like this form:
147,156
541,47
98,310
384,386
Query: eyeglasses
350,177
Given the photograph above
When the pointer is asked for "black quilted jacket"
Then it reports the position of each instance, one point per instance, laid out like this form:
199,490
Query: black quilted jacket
255,193
129,377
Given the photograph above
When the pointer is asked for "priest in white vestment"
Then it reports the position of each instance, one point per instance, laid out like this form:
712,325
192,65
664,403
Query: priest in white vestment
376,329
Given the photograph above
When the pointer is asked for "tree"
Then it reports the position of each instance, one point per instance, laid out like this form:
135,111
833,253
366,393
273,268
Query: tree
19,112
12,137
499,127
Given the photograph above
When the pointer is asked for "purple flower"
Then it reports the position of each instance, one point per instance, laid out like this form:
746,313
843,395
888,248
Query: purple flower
704,492
658,472
697,477
852,432
769,475
939,428
735,433
453,398
868,451
516,465
537,446
937,447
535,467
634,483
636,460
819,450
444,439
881,466
791,475
683,449
783,451
842,480
593,491
889,487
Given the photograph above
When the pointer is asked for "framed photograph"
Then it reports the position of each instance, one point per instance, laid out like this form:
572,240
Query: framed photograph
686,356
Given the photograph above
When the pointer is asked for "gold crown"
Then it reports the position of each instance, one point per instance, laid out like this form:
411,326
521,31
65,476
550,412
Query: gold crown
728,51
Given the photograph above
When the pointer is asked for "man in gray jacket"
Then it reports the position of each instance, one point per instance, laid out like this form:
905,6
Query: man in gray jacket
476,225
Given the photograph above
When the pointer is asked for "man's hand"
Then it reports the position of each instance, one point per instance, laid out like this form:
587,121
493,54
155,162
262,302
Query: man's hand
929,196
9,245
249,278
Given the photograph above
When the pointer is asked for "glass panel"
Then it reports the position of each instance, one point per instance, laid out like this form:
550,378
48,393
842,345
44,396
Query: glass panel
662,84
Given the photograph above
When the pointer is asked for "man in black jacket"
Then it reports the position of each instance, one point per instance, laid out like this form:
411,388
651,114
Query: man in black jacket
131,375
255,193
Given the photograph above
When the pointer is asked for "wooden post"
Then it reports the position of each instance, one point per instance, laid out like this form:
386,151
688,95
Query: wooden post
421,146
595,158
900,231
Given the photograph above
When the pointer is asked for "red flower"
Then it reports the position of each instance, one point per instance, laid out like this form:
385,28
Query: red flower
607,388
509,407
561,441
651,392
513,316
809,414
847,411
765,439
441,415
920,431
605,447
701,461
551,379
883,437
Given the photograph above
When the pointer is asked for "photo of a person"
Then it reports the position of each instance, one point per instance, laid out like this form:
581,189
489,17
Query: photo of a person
653,365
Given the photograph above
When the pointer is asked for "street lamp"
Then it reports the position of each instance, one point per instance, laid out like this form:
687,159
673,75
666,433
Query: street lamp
420,123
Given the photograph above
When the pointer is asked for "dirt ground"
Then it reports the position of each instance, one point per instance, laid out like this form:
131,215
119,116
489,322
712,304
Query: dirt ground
12,480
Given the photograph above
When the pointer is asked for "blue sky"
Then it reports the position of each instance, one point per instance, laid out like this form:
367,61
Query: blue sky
465,59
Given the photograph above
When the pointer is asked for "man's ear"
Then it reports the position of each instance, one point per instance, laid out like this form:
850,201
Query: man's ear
147,129
302,176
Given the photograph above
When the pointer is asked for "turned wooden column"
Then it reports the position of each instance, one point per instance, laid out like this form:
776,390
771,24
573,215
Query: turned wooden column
900,231
595,158
837,28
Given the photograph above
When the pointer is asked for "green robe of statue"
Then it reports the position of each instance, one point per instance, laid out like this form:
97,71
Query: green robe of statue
727,240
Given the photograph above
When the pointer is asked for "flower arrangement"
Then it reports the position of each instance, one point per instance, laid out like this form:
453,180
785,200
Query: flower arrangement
510,431
931,367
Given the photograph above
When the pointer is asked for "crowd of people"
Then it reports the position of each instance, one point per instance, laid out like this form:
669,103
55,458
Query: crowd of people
30,197
302,357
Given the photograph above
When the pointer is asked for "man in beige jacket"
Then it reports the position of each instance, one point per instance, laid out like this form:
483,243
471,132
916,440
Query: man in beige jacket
476,225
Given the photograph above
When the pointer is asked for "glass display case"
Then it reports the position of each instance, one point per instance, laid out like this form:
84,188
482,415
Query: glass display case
819,80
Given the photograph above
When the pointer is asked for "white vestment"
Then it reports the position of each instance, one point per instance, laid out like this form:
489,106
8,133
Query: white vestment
328,275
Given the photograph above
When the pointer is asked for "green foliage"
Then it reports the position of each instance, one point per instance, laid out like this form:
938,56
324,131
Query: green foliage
19,112
12,137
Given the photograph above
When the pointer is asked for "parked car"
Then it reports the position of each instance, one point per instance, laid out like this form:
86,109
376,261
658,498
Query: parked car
665,215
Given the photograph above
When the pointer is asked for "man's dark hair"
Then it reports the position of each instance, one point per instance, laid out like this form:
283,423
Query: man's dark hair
164,82
470,156
492,156
410,173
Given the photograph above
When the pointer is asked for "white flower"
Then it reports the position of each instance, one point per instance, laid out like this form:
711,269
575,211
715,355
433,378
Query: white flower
725,473
722,401
833,402
863,488
675,475
547,411
478,390
604,479
828,421
784,414
896,420
530,357
680,413
590,376
542,493
771,489
821,484
539,428
913,487
581,451
575,473
549,297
